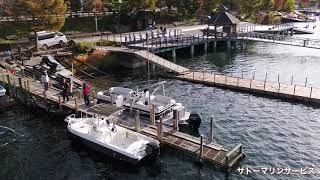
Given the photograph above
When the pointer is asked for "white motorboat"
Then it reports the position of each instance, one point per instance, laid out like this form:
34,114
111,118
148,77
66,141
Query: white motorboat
103,135
2,91
142,101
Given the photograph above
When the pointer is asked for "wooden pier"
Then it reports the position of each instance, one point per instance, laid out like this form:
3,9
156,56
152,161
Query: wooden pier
273,89
31,91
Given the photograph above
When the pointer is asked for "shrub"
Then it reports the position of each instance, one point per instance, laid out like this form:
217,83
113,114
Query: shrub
84,47
107,43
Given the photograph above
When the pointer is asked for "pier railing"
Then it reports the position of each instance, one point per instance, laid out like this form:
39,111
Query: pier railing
275,89
280,39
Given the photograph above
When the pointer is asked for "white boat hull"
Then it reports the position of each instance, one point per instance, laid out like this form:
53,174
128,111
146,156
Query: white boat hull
116,142
2,91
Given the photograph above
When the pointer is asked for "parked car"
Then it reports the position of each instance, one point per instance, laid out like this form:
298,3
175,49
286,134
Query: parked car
48,39
53,64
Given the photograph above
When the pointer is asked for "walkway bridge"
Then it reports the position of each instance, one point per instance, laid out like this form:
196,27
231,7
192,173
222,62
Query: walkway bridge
280,39
150,57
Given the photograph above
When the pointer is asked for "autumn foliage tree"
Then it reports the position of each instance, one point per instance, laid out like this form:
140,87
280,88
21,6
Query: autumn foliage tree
45,14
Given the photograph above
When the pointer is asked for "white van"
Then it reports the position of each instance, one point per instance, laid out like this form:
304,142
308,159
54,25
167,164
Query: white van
47,39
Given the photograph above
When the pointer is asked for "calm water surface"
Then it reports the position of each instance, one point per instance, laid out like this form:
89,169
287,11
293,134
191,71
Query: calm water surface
274,133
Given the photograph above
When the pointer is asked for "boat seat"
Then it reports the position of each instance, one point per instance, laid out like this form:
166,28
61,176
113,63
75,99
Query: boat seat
136,145
163,100
121,91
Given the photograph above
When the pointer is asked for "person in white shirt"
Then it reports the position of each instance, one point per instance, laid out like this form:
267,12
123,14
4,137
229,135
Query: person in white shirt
45,81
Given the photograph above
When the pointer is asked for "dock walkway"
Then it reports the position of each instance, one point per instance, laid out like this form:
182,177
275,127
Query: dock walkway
273,89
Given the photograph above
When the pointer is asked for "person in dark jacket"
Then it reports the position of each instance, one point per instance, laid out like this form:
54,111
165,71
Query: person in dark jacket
65,91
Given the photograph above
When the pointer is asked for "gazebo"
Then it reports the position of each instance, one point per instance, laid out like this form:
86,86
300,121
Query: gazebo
228,22
145,20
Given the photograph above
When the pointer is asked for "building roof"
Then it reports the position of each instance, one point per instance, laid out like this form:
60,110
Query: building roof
224,18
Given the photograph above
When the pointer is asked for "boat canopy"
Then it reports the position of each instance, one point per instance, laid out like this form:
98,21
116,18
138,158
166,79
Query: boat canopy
105,109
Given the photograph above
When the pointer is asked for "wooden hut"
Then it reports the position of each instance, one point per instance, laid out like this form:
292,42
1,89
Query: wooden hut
145,20
228,22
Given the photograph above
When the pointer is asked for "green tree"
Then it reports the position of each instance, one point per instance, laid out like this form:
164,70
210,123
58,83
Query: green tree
46,14
75,5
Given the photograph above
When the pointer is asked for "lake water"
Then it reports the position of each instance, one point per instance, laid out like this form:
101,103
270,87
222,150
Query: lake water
275,133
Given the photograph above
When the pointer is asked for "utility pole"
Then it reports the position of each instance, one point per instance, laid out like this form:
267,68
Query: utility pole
96,19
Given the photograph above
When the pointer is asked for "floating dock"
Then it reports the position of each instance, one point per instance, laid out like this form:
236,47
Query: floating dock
31,91
272,89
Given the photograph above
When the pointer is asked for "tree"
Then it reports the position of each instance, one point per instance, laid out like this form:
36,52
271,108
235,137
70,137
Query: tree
46,14
284,5
75,5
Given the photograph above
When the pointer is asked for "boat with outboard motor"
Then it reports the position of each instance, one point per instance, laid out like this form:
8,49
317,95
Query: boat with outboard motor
134,100
103,135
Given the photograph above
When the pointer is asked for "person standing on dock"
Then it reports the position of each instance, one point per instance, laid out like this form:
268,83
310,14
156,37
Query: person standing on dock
45,81
65,91
70,87
86,91
146,96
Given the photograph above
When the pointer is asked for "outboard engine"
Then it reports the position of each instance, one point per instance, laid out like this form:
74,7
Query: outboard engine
152,149
194,122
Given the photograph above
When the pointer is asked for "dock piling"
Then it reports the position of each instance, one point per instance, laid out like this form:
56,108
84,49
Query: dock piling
8,80
305,83
203,76
294,90
291,80
20,82
60,102
265,78
137,121
152,114
175,120
28,86
76,105
250,83
193,73
225,80
94,97
160,130
45,95
3,77
211,129
242,73
254,74
310,92
238,81
201,149
278,78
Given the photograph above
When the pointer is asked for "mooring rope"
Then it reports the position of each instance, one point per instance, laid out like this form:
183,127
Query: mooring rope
14,139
